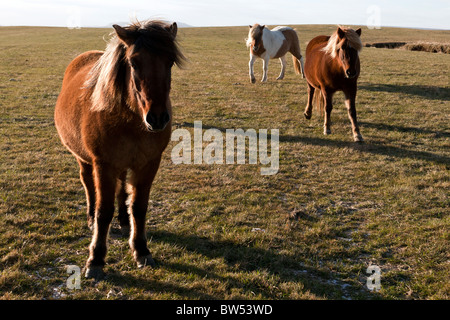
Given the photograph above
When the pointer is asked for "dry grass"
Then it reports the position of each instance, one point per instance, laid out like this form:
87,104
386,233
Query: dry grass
434,47
225,231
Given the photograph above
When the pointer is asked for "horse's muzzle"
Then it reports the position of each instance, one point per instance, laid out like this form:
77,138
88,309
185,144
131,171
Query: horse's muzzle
350,74
156,123
255,48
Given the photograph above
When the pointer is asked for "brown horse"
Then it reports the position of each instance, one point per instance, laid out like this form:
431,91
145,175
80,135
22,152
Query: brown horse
332,64
114,115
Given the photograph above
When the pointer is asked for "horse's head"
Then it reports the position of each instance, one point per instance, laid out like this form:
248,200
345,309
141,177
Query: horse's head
347,49
254,41
151,52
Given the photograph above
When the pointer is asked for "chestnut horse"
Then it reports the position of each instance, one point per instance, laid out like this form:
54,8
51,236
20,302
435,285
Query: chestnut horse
332,64
272,44
114,115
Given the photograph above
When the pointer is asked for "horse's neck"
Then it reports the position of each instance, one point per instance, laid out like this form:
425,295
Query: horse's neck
268,36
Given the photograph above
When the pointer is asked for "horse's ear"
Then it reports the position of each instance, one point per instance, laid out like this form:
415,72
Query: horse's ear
341,33
124,35
263,26
359,32
173,29
250,26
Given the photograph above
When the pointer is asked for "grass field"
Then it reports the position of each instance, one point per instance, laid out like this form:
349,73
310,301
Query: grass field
225,231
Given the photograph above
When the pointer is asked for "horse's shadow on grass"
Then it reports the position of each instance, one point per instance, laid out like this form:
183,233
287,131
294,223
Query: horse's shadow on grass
427,92
369,146
240,258
372,147
438,133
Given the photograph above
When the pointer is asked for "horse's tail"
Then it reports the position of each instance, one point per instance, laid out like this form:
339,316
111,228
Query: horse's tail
297,54
297,66
319,102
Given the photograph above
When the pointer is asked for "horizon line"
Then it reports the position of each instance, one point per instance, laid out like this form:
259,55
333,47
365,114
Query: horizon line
185,25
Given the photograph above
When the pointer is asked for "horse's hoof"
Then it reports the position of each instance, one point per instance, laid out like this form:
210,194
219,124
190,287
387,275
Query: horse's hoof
145,261
280,78
94,272
253,80
307,116
326,132
358,138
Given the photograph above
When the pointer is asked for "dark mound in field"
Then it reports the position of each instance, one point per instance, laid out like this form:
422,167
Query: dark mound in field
416,46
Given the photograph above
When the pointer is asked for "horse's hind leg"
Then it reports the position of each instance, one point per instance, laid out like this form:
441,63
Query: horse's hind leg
309,106
88,182
141,183
283,67
328,98
122,196
105,181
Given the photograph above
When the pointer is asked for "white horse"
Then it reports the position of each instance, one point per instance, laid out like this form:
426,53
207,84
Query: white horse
272,44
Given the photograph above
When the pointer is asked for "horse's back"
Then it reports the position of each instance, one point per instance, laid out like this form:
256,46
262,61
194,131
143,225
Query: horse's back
73,103
317,43
82,62
285,39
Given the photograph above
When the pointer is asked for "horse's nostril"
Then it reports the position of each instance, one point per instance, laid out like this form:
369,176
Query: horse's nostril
157,122
350,73
165,118
151,119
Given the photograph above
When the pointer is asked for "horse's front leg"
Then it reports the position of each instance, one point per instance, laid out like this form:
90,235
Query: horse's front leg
351,108
250,67
283,67
105,185
265,69
141,182
328,98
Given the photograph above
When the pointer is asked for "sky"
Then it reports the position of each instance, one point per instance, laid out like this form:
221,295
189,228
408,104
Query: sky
433,14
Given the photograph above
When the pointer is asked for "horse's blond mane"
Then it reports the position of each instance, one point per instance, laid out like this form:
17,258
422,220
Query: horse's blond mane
103,77
334,43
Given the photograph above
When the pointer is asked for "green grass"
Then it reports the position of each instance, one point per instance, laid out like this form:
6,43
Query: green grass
225,231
